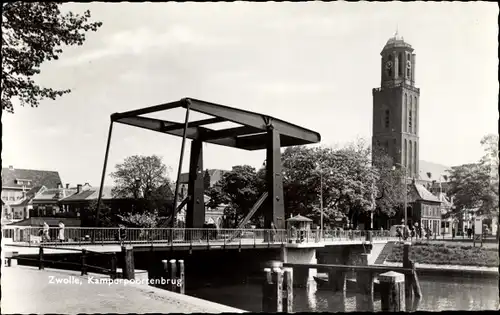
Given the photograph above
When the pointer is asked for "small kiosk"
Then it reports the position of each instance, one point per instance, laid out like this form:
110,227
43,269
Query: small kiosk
298,227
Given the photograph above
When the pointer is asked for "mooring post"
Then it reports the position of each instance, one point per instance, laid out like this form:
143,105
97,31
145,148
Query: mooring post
84,262
417,291
338,284
277,290
288,290
391,291
364,281
173,275
182,277
408,276
128,269
40,258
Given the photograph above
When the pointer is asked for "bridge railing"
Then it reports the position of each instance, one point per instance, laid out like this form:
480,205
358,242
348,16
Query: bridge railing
90,235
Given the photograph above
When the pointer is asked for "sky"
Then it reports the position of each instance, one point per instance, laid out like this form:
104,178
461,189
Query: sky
313,64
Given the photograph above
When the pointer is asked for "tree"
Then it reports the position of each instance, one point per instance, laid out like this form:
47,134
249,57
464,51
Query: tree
389,183
33,32
470,185
348,181
145,178
238,189
143,220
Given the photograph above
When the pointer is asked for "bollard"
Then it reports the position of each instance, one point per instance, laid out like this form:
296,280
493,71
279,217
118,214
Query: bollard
84,262
364,281
288,290
128,269
173,275
182,277
391,291
40,258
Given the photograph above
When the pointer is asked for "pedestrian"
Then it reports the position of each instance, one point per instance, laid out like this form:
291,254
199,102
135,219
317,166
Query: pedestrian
46,228
273,232
61,232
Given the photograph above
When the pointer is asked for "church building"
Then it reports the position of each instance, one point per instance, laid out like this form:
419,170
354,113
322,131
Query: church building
396,121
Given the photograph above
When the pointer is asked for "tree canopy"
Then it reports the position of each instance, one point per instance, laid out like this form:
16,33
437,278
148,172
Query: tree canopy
145,178
33,32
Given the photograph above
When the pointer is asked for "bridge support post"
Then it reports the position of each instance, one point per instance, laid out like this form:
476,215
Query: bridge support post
364,281
195,214
113,266
128,268
392,289
275,207
84,262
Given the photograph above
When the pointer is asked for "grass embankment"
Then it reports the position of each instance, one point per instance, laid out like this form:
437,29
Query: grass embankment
447,254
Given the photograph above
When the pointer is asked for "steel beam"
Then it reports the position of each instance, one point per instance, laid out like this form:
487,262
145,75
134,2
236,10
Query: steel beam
229,133
195,214
253,120
275,210
161,126
178,126
98,210
148,110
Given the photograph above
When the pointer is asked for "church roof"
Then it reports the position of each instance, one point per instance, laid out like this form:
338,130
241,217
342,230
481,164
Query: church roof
397,41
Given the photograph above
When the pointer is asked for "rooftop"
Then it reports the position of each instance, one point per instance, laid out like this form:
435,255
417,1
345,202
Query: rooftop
12,177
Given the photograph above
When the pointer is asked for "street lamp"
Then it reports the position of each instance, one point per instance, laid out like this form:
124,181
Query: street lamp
320,169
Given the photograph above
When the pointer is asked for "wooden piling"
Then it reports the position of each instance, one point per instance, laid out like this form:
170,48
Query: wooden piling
128,269
166,274
182,277
364,281
288,290
173,275
40,258
266,290
408,276
272,290
392,291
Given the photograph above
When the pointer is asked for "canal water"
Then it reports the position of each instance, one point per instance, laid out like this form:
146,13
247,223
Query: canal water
439,294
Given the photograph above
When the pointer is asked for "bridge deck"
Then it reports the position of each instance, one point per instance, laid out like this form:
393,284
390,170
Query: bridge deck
27,290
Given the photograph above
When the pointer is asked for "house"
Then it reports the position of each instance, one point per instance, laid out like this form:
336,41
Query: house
211,177
17,182
46,203
23,207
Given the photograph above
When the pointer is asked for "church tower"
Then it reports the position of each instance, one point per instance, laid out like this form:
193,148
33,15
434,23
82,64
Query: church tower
395,106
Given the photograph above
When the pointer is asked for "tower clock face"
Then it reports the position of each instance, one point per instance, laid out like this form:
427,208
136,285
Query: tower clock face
388,64
408,64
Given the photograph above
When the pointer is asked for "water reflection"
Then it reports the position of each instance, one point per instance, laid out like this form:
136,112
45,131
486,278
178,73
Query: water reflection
439,294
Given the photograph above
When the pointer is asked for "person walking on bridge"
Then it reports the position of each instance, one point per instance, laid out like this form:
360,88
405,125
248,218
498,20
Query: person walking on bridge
61,231
45,229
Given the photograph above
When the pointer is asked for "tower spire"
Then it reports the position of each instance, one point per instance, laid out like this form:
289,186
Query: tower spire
397,30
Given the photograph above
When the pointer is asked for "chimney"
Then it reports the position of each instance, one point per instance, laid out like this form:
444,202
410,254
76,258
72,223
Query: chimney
78,188
67,186
11,167
59,185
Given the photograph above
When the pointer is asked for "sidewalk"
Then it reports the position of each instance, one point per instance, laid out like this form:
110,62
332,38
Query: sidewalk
29,290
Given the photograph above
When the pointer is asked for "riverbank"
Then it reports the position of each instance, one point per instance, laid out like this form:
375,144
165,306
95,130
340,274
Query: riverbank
27,290
451,270
447,254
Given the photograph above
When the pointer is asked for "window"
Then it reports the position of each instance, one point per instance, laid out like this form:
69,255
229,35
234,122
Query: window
409,121
410,169
416,113
400,64
405,108
386,120
404,152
